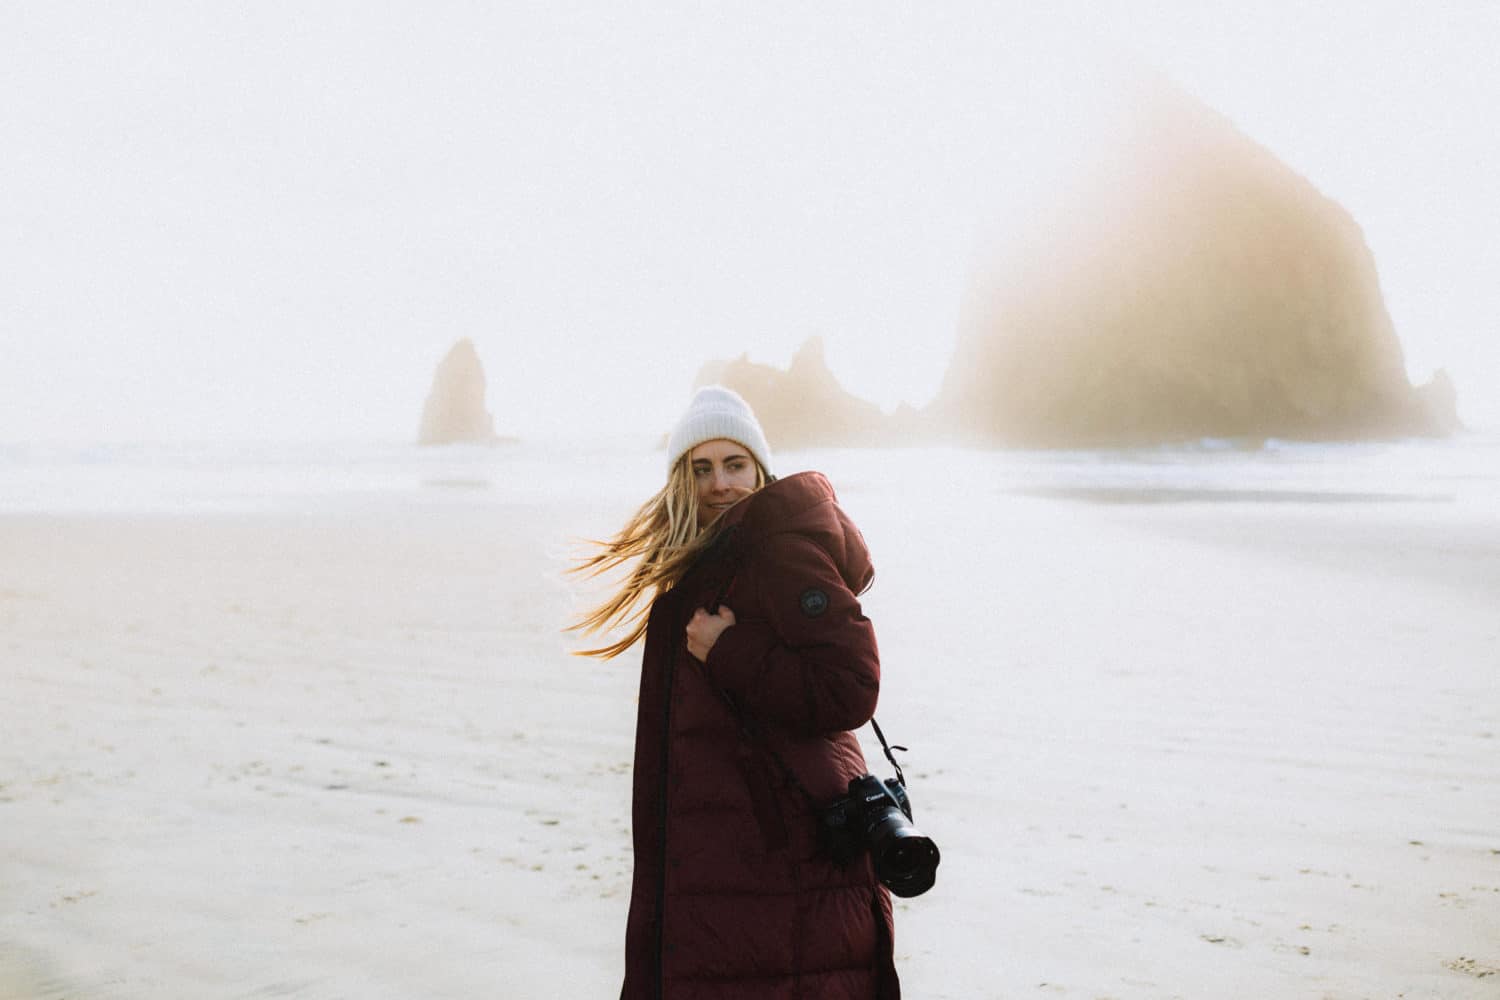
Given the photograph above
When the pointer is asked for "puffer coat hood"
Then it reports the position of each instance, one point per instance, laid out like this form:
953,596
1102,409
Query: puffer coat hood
731,897
805,504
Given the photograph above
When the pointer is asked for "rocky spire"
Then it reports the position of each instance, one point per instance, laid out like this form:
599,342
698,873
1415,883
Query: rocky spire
455,412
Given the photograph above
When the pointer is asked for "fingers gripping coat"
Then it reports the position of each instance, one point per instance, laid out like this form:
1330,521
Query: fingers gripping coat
731,898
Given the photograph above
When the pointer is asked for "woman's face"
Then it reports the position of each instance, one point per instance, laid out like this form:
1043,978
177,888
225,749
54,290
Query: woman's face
724,472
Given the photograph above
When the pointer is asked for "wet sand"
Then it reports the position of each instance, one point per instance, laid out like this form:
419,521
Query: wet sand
1195,749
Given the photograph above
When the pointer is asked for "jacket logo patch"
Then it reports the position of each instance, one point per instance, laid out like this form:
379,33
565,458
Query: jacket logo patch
813,602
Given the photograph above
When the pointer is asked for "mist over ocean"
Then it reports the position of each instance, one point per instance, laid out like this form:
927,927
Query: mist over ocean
1460,472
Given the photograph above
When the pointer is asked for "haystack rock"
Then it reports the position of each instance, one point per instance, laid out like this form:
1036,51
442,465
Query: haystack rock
454,412
1203,290
804,406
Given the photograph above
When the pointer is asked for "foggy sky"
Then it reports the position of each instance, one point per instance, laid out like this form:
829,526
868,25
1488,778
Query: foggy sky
272,220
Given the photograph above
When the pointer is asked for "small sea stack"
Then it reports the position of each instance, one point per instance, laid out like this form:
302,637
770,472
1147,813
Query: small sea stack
455,410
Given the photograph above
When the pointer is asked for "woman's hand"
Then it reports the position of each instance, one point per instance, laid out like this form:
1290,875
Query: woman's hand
704,630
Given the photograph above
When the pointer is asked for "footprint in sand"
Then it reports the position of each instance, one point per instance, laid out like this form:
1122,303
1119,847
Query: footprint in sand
1227,942
1471,967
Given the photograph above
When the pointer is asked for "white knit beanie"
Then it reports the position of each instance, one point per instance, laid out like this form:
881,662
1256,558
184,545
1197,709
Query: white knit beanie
717,412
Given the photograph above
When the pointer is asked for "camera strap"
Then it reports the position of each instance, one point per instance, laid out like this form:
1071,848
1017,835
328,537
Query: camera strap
751,731
888,748
754,736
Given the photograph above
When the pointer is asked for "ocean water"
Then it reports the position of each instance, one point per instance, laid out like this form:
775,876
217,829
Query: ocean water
145,478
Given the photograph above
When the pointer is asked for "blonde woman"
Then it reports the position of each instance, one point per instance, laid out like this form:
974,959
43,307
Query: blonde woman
758,663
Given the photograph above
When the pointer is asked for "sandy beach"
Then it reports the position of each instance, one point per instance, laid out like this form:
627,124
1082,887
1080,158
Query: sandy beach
1154,348
1212,747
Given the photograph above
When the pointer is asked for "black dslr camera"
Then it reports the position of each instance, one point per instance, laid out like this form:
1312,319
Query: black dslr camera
876,816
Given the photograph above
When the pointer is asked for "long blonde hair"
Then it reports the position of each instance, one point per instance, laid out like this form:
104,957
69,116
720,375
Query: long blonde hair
664,539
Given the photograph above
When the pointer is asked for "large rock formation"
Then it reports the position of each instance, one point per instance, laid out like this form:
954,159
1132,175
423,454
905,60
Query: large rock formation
1202,290
804,406
454,412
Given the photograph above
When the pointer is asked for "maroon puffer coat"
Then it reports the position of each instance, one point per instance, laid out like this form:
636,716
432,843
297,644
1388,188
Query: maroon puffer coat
731,899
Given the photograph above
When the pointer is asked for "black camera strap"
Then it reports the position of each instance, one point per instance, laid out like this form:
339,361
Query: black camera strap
755,736
901,777
752,732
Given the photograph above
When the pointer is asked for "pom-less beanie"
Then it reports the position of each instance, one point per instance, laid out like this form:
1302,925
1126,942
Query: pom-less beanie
717,412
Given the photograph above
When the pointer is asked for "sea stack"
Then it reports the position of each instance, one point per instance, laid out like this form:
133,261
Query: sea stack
804,406
1201,289
455,412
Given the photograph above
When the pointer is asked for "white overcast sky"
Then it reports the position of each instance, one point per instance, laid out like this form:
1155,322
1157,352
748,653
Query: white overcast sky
270,220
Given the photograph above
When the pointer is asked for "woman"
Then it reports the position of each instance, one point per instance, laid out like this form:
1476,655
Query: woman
757,666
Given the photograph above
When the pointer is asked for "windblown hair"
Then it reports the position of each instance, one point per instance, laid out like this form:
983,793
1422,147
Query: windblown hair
663,540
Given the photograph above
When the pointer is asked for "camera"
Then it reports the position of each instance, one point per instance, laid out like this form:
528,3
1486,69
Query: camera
876,816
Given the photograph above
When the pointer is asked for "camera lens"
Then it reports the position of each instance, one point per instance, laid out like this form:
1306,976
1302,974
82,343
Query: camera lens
904,859
901,859
906,862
